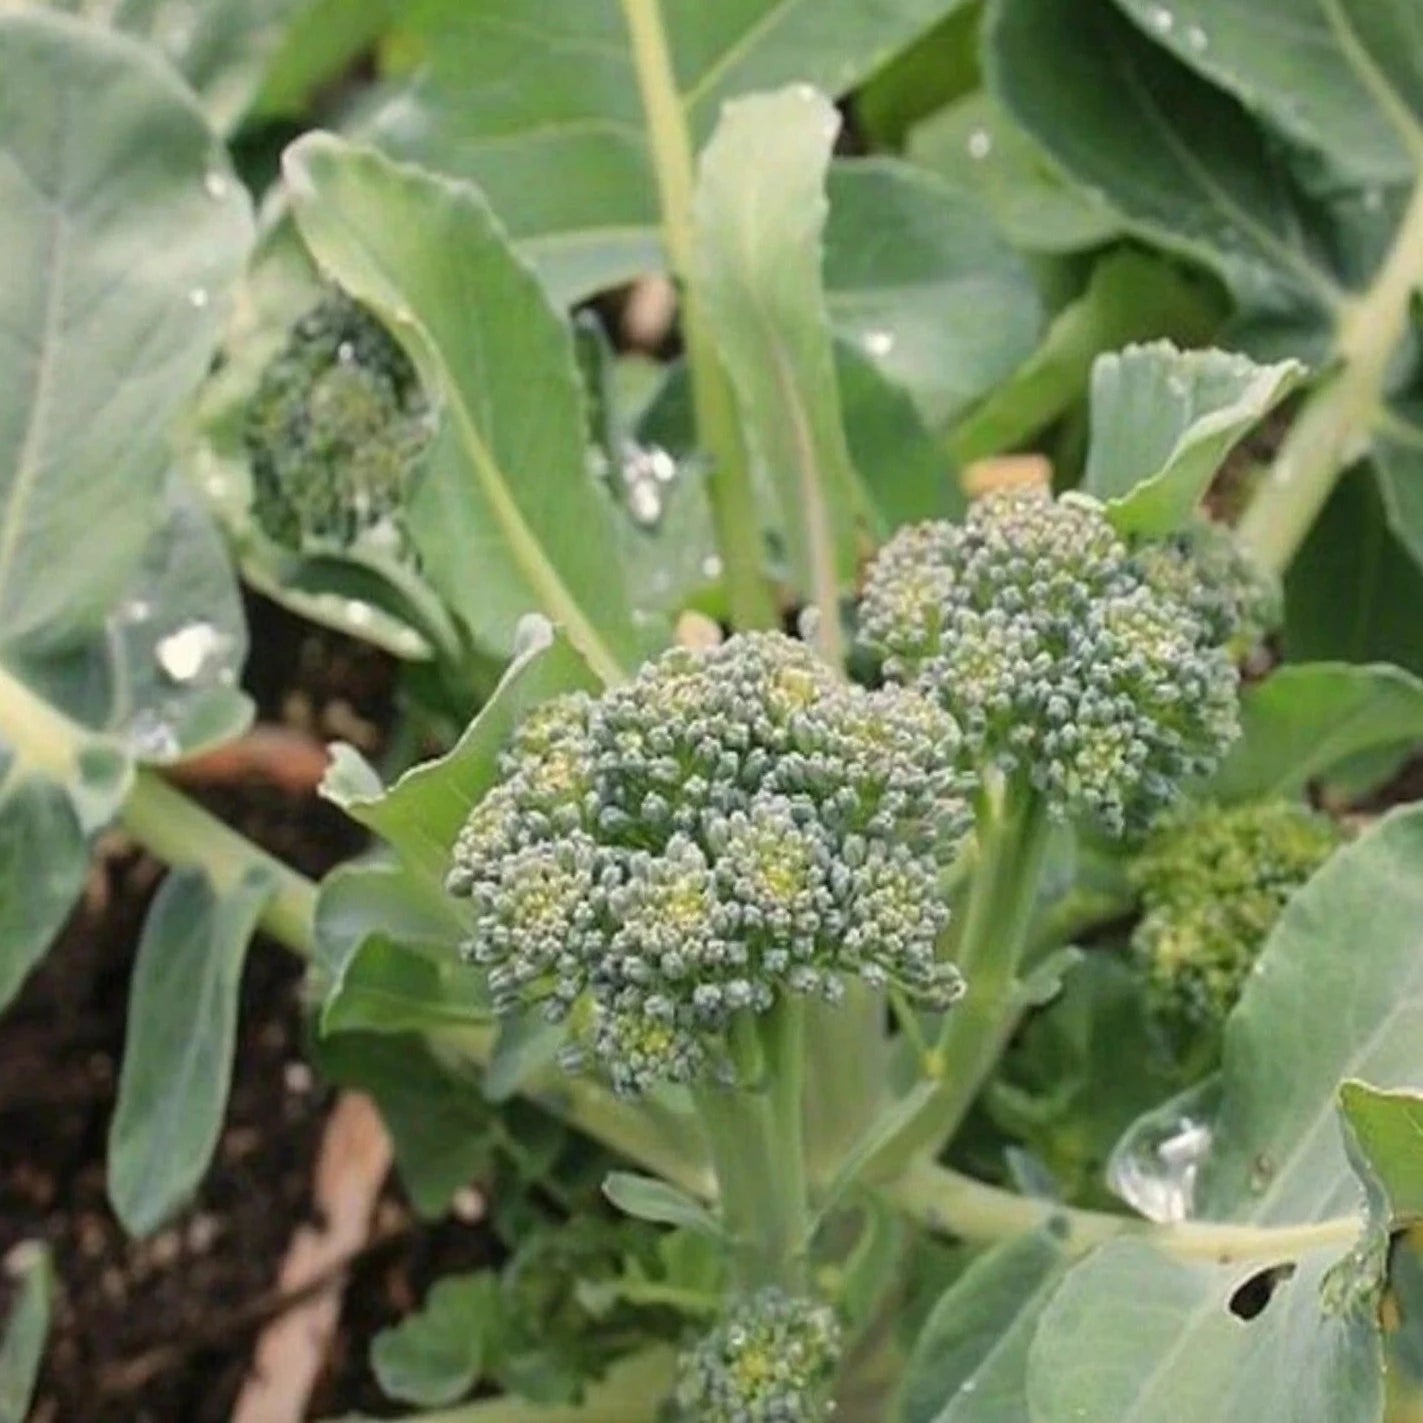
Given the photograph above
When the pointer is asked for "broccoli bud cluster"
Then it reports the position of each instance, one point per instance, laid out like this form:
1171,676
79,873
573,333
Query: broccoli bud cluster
1212,884
1204,567
770,1360
335,428
1058,653
730,826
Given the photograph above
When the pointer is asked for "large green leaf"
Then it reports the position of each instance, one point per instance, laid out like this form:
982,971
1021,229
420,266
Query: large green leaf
975,145
421,814
1185,164
182,1034
1338,993
508,519
1163,422
23,1341
563,151
1134,1335
1342,76
124,231
760,213
917,276
1304,720
969,1362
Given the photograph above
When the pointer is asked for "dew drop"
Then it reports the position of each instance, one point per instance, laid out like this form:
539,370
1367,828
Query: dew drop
980,144
879,343
190,654
359,614
198,297
645,503
711,566
1154,1167
1197,39
152,737
1162,20
215,186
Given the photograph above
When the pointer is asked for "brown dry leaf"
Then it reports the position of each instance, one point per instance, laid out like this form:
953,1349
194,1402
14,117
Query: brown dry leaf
354,1160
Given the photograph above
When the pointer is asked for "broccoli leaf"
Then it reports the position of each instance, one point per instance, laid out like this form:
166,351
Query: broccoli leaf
1163,422
1338,75
1185,165
421,814
1306,719
435,1355
976,145
125,232
1134,1334
969,1360
566,161
1386,1137
760,212
182,1036
22,1344
508,518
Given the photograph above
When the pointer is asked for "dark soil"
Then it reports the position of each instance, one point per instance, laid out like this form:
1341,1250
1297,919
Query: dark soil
162,1330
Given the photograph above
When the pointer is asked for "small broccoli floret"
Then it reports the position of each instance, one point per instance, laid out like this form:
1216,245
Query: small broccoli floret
1204,566
731,826
770,1360
1212,884
1036,627
335,428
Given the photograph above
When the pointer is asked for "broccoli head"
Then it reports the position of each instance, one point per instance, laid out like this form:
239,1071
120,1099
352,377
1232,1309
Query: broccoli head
335,428
1205,567
769,1360
1212,884
732,825
1056,652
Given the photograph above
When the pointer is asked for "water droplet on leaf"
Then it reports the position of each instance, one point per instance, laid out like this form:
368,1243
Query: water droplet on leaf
1155,1165
980,144
879,343
198,297
1162,19
1197,39
216,186
191,653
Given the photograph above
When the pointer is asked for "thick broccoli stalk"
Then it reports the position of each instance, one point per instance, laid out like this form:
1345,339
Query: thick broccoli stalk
1212,884
770,1360
1068,661
335,429
662,863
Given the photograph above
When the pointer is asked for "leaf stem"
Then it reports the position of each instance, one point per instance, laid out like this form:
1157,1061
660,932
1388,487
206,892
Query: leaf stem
1332,428
733,501
948,1201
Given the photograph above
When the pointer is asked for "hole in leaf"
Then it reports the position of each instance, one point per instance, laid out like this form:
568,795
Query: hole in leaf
1249,1300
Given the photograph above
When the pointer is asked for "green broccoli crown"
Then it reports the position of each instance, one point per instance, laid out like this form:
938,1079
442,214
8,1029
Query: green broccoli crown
335,428
1212,884
1042,634
1204,567
732,825
769,1360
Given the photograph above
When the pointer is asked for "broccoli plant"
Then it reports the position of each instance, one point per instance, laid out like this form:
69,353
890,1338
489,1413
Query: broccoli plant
793,795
